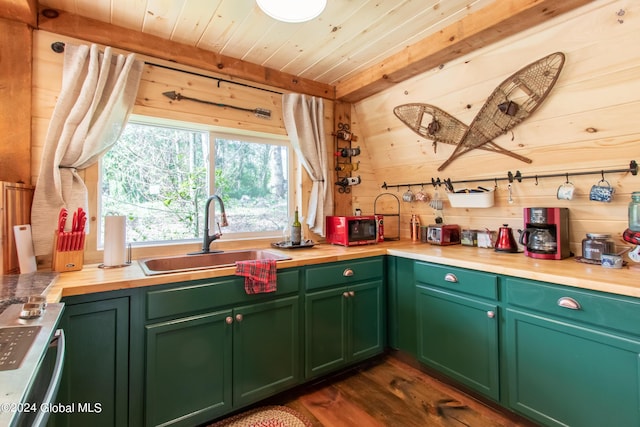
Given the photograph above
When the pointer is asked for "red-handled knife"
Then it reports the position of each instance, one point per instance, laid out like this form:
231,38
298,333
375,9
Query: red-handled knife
62,219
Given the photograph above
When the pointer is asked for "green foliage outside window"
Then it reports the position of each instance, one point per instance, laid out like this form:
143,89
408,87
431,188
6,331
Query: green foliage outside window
158,177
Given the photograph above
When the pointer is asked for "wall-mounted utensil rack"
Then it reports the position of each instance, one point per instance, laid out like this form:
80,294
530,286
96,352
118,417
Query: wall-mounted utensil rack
518,176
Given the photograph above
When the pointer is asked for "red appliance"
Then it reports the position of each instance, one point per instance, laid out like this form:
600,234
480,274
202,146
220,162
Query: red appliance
443,234
546,233
354,230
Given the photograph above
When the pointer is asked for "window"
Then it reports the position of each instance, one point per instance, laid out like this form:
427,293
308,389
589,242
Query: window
160,177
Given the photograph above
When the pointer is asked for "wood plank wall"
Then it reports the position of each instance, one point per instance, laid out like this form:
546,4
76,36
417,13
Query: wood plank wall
590,121
15,107
47,77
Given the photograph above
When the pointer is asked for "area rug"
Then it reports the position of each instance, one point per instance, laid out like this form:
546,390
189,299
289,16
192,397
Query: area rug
267,416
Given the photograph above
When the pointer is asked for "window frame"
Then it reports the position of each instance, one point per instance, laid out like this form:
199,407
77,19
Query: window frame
213,132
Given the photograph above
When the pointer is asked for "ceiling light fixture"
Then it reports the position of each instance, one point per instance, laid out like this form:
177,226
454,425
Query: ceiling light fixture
292,10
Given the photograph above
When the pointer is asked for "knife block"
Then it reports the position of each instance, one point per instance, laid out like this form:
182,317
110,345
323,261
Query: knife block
66,260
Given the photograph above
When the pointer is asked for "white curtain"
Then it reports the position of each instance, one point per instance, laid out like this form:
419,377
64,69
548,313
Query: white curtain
304,121
97,95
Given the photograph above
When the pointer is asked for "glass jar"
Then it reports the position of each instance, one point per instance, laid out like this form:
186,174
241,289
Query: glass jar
469,237
597,244
634,211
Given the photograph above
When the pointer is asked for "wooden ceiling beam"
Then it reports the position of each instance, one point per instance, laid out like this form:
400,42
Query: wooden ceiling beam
94,31
24,11
500,19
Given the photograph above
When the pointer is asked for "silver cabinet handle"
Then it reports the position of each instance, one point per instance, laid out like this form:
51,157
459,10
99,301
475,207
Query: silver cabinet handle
347,272
491,314
239,317
450,277
570,303
228,320
345,294
352,293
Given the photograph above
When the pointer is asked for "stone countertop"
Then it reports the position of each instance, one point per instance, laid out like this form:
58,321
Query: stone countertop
16,288
92,279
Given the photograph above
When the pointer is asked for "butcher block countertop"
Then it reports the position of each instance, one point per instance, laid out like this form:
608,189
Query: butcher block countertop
92,279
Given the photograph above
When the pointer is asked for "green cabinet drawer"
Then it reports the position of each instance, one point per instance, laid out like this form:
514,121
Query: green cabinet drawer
195,297
344,273
599,309
470,282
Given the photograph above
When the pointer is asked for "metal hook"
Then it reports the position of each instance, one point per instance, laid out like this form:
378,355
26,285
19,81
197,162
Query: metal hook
496,182
567,178
57,47
602,174
536,179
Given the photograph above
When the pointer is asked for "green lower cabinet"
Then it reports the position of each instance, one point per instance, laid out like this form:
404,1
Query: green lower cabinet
401,311
96,368
458,336
266,349
343,325
188,370
201,367
367,321
326,331
562,374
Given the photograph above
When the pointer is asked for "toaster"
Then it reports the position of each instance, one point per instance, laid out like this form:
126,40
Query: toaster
443,234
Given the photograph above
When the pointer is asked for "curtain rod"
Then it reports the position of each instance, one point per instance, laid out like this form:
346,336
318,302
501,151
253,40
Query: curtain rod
219,80
58,47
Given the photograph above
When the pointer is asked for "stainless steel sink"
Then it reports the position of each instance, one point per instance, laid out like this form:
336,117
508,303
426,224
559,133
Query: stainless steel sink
174,264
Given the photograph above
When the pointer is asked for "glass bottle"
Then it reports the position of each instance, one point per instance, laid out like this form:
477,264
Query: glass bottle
296,229
634,211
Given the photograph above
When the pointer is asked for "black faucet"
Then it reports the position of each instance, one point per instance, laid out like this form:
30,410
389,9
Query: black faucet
208,239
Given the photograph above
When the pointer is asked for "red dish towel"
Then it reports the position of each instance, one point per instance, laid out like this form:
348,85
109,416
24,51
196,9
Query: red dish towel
259,275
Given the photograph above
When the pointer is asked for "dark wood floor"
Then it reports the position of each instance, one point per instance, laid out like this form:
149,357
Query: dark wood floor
389,392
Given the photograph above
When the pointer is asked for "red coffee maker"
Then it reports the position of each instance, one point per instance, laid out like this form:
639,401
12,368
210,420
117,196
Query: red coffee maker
546,233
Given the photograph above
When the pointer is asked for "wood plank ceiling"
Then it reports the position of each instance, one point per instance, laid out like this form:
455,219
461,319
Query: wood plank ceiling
356,47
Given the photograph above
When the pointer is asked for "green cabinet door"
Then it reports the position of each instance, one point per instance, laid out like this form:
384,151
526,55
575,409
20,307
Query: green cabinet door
266,349
96,363
343,325
563,374
367,320
458,335
188,369
401,311
325,331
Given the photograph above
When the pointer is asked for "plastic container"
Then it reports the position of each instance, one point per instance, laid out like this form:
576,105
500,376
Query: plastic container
484,199
597,244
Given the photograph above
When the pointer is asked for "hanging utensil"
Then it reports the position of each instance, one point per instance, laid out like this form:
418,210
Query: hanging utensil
437,205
